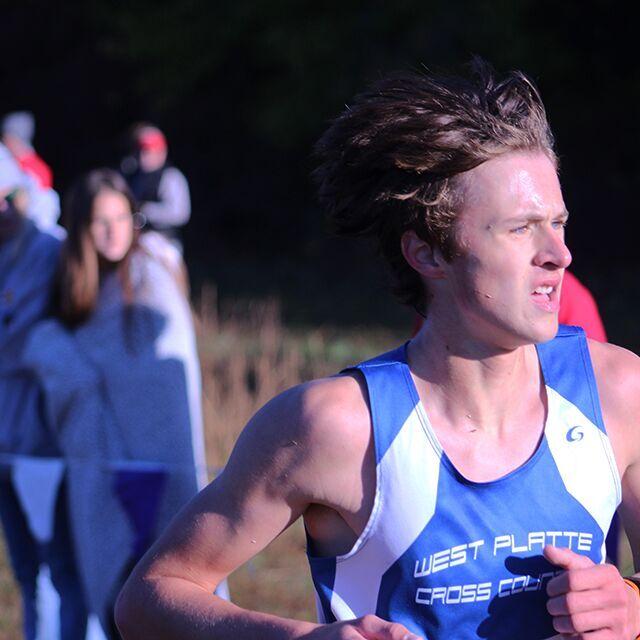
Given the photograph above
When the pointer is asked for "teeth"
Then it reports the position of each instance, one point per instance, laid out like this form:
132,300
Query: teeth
544,290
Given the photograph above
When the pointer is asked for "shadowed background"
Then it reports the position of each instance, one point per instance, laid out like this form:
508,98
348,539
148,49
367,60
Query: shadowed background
244,88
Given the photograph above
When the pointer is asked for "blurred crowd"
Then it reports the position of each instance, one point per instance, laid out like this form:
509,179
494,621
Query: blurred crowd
101,438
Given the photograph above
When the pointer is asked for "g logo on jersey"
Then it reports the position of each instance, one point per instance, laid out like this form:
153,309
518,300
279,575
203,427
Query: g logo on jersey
574,434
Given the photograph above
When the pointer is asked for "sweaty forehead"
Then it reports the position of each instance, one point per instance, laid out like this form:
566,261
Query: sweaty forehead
512,183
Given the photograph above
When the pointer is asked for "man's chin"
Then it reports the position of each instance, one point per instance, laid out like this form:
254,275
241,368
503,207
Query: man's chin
536,333
545,332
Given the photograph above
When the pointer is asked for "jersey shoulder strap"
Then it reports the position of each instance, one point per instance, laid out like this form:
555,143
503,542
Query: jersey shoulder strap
567,369
391,400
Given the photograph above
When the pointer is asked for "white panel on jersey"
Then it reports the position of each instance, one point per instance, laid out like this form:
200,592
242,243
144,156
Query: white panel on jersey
407,482
584,457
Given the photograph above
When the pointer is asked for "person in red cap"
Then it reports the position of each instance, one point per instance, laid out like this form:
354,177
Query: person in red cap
18,129
43,204
160,189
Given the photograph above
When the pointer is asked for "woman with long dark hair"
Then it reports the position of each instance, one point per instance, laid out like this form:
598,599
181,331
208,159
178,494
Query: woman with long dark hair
122,384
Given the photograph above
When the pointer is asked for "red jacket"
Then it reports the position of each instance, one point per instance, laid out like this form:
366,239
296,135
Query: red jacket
577,307
32,164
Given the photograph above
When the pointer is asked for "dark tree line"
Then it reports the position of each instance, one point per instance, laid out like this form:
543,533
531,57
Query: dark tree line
244,87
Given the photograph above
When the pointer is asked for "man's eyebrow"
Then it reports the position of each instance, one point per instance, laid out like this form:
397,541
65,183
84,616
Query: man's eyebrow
535,216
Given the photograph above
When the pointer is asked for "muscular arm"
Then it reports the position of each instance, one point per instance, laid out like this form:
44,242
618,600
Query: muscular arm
618,378
306,447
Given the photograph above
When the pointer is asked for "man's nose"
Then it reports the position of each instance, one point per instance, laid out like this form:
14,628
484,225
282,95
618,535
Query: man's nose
553,251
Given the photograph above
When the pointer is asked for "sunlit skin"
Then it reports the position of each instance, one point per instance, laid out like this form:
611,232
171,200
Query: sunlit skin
152,149
510,240
152,159
111,225
512,243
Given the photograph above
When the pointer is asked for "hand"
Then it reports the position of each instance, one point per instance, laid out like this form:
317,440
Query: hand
368,628
589,600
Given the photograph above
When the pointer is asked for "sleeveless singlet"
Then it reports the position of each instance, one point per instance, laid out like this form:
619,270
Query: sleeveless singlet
453,559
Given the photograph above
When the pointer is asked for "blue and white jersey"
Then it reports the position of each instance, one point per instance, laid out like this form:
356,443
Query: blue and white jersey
453,559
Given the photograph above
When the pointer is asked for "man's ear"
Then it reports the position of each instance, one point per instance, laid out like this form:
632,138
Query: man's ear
421,256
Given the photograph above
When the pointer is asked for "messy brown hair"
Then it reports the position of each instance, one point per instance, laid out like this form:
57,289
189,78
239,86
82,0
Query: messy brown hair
391,161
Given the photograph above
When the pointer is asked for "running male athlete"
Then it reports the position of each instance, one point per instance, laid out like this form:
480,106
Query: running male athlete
461,486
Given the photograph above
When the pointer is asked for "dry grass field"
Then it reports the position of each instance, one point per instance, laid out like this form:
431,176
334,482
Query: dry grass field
248,356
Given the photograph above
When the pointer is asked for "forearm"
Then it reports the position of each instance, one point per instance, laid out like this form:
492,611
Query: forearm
173,608
164,215
174,206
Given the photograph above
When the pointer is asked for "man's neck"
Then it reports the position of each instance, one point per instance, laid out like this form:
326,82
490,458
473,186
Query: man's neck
472,386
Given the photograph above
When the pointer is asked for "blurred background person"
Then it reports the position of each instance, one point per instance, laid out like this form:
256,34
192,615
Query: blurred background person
122,384
33,508
160,188
18,129
578,308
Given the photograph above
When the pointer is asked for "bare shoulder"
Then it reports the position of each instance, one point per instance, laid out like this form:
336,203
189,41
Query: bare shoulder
617,372
301,435
335,410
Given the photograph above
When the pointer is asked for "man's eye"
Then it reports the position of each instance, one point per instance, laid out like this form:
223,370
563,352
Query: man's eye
560,224
521,229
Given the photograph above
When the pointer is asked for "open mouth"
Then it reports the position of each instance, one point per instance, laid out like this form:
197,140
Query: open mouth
544,291
546,297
